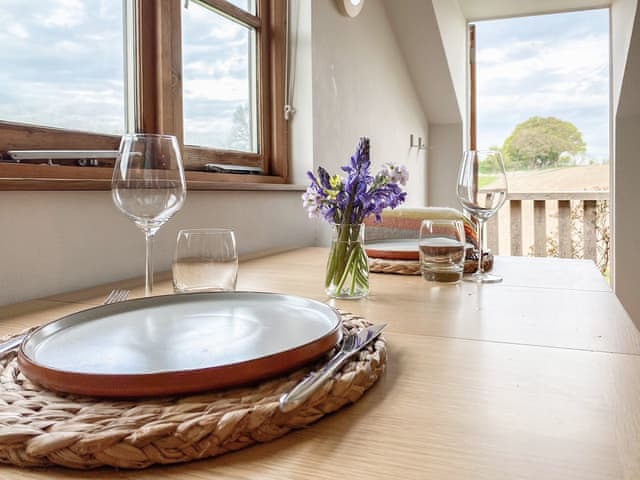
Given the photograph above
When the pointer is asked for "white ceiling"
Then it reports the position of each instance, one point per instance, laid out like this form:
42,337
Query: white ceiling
491,9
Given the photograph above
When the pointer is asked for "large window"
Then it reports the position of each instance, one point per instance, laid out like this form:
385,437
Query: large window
76,75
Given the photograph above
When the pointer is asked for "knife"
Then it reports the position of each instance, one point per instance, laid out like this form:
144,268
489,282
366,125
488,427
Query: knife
352,344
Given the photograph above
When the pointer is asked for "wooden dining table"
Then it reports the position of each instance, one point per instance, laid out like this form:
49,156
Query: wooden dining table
537,377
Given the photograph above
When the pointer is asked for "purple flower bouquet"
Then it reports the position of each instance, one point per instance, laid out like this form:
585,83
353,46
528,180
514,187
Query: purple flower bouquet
346,202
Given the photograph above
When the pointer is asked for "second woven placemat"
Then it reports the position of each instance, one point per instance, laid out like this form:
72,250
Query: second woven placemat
412,267
40,428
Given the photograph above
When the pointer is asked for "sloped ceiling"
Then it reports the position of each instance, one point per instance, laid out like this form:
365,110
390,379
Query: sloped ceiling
416,28
629,102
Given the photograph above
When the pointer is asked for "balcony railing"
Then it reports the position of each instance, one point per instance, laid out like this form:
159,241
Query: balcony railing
552,220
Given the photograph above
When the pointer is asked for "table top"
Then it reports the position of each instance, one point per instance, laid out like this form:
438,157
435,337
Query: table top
536,377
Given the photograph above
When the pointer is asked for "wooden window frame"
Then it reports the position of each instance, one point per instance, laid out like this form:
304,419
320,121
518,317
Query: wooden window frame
159,109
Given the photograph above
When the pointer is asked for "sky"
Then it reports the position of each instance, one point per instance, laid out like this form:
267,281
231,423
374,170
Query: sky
548,65
63,66
59,64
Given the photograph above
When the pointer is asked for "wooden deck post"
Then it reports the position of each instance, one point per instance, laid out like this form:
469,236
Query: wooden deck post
515,212
493,234
564,228
590,251
539,228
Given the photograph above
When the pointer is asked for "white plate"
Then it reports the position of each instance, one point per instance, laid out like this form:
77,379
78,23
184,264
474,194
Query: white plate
400,249
204,340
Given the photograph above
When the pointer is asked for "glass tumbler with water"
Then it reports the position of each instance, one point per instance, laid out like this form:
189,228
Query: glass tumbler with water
442,250
206,260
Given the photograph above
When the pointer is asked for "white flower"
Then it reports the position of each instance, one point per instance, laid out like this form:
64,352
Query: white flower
395,173
311,200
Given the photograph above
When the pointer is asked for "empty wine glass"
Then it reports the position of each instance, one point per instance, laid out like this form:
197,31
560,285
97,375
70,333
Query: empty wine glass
482,190
148,186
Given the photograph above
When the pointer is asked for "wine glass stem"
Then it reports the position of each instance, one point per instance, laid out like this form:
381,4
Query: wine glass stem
148,273
480,270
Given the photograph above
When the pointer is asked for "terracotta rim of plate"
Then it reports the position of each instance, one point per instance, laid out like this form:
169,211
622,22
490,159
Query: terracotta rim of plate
393,254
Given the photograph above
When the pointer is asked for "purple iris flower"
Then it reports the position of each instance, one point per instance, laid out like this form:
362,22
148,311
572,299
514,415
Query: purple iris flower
359,194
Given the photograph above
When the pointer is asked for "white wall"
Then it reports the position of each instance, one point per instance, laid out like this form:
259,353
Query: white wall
622,17
453,30
59,241
626,165
361,87
626,247
445,153
447,141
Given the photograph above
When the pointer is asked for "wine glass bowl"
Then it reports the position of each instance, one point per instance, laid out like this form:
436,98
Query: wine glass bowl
148,185
482,190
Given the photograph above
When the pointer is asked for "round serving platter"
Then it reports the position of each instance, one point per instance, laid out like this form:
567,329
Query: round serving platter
178,343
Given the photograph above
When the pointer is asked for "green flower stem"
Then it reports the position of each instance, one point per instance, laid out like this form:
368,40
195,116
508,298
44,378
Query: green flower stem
347,263
339,253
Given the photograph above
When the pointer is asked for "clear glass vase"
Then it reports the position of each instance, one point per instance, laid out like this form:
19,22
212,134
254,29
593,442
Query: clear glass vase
348,265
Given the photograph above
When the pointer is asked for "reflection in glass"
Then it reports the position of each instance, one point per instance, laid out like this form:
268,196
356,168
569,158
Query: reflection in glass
248,5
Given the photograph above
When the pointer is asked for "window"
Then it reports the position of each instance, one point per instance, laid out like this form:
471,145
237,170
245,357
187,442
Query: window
79,74
219,81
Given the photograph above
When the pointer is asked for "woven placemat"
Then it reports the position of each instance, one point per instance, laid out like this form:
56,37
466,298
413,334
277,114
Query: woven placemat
411,267
40,428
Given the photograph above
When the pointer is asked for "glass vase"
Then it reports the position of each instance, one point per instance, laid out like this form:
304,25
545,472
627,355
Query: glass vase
348,265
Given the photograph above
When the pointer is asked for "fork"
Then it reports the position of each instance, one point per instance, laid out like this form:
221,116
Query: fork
115,296
351,344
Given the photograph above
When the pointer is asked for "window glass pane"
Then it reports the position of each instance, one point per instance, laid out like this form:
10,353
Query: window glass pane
248,5
219,81
62,64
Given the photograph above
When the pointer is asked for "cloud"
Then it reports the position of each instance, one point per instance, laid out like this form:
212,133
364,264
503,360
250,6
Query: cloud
62,13
236,67
215,89
18,30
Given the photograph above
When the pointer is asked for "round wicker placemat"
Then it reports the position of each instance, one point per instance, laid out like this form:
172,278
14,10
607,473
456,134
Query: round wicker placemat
40,428
411,267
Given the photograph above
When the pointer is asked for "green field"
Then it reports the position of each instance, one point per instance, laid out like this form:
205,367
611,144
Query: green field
485,180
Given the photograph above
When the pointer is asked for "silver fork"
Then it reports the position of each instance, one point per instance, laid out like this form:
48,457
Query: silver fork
115,296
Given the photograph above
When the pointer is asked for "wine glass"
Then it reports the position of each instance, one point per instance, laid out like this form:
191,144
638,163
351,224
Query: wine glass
148,186
482,190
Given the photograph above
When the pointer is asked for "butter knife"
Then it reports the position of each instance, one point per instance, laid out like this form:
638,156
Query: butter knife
350,345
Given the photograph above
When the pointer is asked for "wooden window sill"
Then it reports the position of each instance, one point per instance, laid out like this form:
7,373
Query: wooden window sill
55,178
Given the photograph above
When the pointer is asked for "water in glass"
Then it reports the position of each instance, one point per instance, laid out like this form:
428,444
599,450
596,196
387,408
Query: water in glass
442,249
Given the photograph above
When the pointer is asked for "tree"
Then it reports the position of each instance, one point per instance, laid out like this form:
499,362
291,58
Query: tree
490,163
240,135
540,142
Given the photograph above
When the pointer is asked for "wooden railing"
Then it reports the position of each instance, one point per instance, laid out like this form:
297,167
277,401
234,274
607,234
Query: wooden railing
564,201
